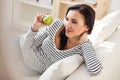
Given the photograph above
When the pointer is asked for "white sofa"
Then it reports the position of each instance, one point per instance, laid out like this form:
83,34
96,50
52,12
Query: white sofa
106,40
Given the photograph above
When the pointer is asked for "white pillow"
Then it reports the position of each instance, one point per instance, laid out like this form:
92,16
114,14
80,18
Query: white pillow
105,28
63,68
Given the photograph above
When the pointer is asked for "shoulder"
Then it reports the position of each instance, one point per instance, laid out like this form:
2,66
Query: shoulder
88,42
87,46
56,24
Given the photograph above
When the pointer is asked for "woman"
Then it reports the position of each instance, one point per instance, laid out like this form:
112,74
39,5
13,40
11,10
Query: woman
42,47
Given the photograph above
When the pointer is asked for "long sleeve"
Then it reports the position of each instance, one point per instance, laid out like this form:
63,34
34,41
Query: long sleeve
34,39
93,65
29,43
32,44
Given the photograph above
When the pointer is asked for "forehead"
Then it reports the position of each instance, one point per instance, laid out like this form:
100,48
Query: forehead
75,14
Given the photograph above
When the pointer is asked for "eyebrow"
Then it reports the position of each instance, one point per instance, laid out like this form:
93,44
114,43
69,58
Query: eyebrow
74,19
71,19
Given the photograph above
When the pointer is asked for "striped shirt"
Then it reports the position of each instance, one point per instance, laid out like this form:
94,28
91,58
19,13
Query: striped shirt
39,50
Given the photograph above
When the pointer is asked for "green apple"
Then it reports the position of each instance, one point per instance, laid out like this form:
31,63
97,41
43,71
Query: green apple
47,19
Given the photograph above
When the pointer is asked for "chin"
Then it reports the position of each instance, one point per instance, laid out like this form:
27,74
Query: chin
68,35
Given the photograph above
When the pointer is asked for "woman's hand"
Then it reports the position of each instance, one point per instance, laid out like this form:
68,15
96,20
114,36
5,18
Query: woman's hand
37,22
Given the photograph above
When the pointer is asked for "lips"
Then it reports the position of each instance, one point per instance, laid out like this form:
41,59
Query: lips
67,30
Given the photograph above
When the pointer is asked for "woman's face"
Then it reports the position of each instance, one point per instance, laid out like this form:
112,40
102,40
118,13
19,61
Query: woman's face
74,24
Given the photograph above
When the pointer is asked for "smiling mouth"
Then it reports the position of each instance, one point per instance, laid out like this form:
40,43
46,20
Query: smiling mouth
68,31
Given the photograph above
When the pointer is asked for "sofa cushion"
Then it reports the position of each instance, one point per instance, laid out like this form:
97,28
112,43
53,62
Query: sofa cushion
111,64
105,28
63,68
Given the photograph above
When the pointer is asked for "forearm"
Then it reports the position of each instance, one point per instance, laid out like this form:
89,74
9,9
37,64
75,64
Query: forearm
34,39
93,65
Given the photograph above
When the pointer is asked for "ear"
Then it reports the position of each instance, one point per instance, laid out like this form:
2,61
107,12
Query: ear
86,28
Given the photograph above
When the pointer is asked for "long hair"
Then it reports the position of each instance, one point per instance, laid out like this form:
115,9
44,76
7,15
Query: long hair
89,15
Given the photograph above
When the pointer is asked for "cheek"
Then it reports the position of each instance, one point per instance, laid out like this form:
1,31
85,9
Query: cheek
78,31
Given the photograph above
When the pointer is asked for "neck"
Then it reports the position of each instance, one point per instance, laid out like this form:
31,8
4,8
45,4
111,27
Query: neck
72,42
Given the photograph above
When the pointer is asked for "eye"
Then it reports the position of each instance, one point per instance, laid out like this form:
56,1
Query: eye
74,22
66,19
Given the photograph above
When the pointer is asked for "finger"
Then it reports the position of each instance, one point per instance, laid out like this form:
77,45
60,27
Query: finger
39,17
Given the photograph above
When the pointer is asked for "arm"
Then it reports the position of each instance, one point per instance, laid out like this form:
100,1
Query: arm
34,39
35,35
29,43
93,65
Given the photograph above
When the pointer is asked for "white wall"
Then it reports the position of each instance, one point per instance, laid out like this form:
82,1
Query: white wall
6,12
114,5
5,24
0,26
